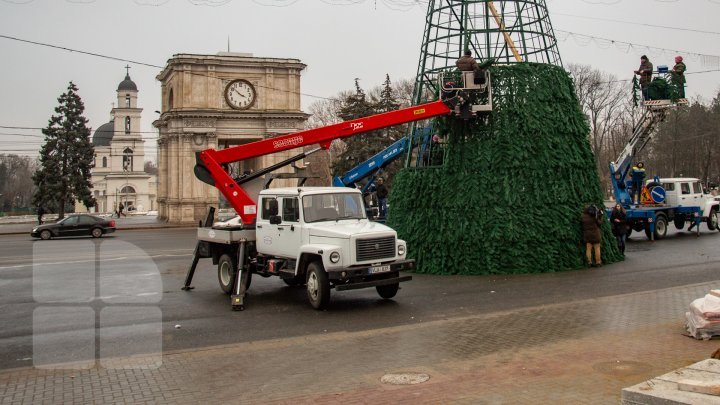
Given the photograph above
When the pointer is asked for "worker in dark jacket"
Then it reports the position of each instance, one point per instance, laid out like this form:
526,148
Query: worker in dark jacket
618,219
645,72
591,220
466,63
381,192
677,76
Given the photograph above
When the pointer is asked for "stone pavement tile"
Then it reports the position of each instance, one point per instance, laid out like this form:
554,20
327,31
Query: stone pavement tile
582,352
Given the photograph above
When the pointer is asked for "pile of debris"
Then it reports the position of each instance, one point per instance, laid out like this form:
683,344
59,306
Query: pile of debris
703,319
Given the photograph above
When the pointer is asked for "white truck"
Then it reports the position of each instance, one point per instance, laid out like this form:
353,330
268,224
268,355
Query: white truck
687,191
316,236
676,200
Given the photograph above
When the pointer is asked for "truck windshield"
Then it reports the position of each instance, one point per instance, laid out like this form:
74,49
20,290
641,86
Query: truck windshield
331,207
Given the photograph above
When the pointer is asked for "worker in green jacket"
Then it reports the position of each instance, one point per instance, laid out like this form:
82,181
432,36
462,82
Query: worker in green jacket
677,76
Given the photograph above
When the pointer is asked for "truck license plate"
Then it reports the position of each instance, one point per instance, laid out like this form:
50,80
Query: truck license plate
379,269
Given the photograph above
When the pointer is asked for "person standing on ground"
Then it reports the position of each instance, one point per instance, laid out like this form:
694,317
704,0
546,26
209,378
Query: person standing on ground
591,220
381,192
618,219
40,213
645,72
121,207
677,76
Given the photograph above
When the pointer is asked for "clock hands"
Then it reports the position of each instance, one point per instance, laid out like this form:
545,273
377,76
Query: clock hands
240,95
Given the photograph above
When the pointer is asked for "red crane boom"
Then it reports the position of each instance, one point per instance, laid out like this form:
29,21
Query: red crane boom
210,161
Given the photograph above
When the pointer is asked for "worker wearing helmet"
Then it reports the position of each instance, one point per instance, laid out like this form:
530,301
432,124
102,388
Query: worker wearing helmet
677,76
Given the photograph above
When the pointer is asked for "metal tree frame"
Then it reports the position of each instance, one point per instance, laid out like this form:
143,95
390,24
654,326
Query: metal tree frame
513,31
508,31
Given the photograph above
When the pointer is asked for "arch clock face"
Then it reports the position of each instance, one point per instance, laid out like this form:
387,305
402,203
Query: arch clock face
240,94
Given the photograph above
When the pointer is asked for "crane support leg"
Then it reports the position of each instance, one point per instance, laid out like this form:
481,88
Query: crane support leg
238,296
196,254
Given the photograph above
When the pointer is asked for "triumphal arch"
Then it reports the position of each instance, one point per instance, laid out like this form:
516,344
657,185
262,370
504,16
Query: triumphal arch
218,101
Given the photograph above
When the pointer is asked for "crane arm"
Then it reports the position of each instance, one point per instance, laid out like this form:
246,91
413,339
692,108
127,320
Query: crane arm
210,161
370,166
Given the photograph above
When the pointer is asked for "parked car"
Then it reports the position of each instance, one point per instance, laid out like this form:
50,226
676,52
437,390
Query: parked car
75,225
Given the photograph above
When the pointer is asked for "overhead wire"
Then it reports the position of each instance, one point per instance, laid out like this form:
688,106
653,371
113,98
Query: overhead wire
638,23
143,63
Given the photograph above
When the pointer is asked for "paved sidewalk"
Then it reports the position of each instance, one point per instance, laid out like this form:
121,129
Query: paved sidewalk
579,353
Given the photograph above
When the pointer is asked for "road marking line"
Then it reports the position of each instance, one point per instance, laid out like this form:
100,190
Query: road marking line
19,266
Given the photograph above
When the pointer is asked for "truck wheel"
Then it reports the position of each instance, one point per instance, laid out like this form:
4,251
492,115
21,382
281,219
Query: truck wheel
226,273
318,286
712,221
661,225
387,291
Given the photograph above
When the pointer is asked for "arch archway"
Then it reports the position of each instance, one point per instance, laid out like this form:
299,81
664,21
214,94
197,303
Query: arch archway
128,197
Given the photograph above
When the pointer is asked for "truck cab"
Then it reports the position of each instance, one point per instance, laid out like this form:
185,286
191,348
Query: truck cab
688,191
326,224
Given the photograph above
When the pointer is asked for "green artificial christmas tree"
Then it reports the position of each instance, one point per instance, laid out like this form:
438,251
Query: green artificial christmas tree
509,194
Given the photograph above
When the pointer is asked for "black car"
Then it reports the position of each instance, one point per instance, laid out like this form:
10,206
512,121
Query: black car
75,225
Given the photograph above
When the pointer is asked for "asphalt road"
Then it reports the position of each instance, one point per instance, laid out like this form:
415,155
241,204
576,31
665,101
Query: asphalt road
74,299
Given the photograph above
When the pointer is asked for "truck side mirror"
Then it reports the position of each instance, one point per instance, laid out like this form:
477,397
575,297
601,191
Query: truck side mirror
275,220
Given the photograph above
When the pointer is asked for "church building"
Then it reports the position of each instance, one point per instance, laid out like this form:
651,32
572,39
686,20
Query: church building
119,175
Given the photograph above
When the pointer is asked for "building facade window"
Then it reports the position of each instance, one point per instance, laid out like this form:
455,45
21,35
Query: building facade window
127,101
170,100
127,125
128,160
104,164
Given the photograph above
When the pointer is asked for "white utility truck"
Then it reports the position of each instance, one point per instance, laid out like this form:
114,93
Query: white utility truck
317,236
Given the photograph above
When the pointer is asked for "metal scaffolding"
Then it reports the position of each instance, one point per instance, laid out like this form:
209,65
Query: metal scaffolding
508,31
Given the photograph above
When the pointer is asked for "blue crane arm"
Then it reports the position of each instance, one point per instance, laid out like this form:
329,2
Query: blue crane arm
372,165
654,113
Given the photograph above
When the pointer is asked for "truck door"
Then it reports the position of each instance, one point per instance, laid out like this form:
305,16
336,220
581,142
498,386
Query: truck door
289,231
696,195
283,239
266,234
687,197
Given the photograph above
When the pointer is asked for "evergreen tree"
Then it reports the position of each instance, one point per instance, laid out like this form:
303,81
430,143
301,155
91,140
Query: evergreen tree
66,158
388,100
361,147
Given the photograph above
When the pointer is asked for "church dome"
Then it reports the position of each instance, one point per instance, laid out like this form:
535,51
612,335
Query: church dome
127,84
103,135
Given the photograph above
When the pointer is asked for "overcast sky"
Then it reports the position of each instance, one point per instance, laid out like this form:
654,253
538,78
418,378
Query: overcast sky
339,40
